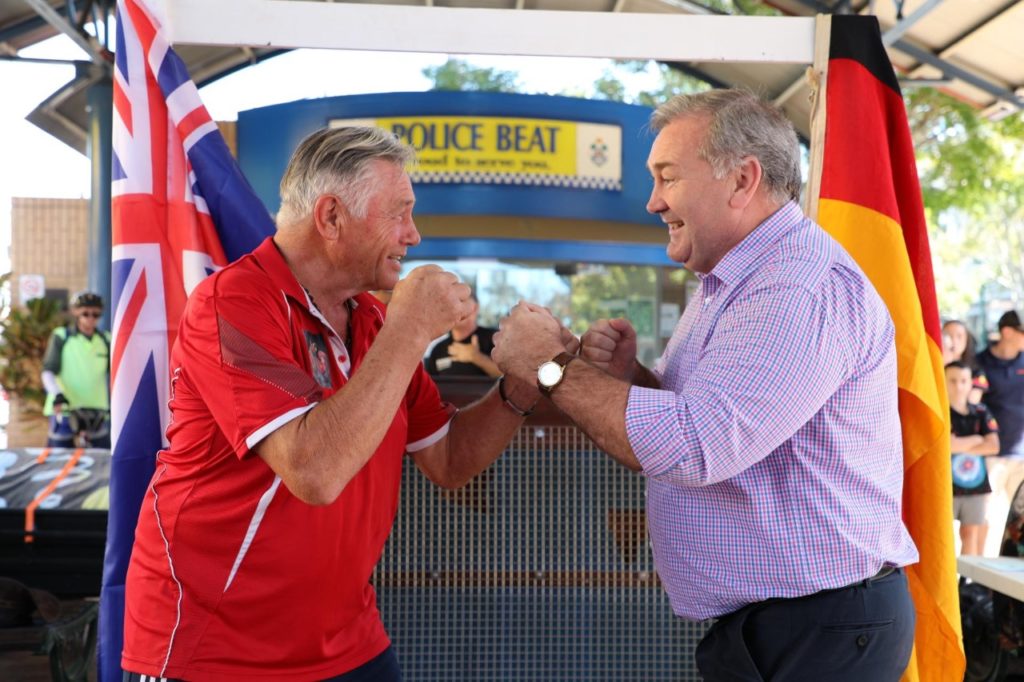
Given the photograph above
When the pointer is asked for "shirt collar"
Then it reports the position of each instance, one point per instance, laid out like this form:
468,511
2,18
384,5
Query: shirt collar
273,263
745,255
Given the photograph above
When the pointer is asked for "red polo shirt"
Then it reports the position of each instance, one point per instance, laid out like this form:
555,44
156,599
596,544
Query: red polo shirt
231,576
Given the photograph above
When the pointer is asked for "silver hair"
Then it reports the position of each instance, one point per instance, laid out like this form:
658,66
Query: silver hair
338,161
741,124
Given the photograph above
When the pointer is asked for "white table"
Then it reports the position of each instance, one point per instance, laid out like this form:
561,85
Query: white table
1002,574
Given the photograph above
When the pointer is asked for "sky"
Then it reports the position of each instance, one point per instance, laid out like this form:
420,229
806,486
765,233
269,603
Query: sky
45,167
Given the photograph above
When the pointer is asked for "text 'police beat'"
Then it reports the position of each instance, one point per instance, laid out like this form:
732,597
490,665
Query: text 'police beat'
468,137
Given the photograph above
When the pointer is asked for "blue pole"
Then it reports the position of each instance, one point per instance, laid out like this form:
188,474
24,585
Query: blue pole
100,107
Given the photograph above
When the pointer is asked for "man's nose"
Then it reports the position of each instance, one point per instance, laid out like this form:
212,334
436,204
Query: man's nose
656,204
412,236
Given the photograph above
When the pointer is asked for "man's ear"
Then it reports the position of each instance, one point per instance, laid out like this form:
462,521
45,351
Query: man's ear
329,216
746,181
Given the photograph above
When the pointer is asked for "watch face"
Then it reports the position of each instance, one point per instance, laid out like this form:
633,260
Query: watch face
549,373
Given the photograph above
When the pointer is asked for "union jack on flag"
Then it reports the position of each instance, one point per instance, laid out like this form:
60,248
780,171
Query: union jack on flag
181,209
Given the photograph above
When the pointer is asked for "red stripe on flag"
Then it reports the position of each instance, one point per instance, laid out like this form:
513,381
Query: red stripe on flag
868,177
127,325
123,108
188,124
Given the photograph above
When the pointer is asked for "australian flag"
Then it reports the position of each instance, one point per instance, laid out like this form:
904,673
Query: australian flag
181,210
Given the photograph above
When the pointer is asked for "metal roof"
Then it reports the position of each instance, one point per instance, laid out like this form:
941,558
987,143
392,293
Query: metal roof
970,49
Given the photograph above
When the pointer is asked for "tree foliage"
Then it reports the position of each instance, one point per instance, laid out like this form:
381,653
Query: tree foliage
458,74
972,182
24,333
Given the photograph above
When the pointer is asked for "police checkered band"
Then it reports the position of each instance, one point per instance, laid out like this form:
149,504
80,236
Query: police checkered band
529,179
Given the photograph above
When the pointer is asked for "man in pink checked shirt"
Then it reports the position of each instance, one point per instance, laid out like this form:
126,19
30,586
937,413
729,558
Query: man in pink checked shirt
768,431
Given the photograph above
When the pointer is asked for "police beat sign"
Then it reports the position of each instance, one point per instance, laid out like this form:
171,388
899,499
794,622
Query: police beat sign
508,151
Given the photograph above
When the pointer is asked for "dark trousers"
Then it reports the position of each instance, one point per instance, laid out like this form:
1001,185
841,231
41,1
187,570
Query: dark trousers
383,668
851,634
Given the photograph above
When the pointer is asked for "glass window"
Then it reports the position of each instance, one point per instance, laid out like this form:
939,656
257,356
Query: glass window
650,297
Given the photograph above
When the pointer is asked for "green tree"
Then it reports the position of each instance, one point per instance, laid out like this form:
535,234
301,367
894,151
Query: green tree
24,333
972,182
458,74
604,291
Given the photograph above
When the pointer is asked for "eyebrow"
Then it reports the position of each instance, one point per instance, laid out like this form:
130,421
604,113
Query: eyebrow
660,165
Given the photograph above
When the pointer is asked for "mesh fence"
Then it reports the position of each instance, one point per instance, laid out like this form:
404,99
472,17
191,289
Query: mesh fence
540,569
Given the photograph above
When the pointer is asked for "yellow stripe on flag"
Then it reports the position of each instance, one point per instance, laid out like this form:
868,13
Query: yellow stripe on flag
876,242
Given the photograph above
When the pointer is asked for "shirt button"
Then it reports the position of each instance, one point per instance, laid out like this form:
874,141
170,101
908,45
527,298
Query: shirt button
707,300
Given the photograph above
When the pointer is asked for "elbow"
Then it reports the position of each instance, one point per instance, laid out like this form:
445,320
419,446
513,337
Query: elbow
451,480
316,491
451,483
314,495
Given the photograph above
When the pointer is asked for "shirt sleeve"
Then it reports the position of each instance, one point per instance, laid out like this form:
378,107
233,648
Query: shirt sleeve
237,356
773,359
54,348
429,416
986,422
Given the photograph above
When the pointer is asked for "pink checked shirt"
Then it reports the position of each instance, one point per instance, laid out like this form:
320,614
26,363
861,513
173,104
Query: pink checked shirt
772,451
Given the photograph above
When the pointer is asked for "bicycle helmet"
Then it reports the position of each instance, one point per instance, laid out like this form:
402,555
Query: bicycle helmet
87,299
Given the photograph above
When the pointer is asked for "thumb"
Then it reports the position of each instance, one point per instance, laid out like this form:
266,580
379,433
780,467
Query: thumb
475,341
622,326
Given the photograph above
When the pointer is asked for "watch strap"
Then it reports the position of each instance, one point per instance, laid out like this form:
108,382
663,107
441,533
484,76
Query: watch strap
562,360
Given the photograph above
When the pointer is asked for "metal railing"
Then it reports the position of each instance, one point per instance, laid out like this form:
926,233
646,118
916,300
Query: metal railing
540,569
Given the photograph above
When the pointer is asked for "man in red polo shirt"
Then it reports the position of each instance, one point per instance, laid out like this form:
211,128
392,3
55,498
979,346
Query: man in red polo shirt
294,399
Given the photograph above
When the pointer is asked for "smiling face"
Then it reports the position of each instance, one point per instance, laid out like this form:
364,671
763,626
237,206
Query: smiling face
702,225
372,248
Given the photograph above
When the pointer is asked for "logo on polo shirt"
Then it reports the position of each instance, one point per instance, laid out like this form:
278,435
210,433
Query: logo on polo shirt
318,359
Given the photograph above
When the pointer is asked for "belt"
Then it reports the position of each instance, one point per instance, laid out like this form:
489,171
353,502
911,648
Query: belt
883,572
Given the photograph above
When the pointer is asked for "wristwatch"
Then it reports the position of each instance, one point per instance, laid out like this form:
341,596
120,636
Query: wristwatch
550,373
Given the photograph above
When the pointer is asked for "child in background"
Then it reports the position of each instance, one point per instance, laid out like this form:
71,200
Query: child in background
975,434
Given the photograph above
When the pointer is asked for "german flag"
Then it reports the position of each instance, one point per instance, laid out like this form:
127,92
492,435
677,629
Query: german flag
870,201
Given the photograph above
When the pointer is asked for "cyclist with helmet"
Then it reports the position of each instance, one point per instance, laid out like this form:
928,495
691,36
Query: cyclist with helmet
76,375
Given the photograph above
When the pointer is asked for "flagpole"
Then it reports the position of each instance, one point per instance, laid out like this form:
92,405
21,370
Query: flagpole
817,74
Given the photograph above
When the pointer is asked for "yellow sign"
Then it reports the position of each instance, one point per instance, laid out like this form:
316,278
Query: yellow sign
515,151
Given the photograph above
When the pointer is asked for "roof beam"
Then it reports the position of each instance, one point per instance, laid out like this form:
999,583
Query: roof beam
903,25
953,71
52,17
625,35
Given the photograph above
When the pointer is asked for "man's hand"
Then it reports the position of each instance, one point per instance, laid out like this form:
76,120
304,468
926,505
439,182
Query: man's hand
428,302
529,336
611,346
465,352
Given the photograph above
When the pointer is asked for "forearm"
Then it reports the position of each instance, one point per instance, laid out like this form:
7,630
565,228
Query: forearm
50,382
965,444
644,377
596,402
487,365
988,446
478,435
317,454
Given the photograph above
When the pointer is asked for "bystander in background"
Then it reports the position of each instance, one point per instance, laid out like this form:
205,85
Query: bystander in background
974,435
1003,365
76,375
466,351
959,344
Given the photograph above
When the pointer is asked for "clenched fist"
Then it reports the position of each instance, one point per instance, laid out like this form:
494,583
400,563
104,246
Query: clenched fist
429,301
611,346
529,336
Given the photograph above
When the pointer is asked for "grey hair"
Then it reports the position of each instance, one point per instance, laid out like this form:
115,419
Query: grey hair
339,161
741,124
